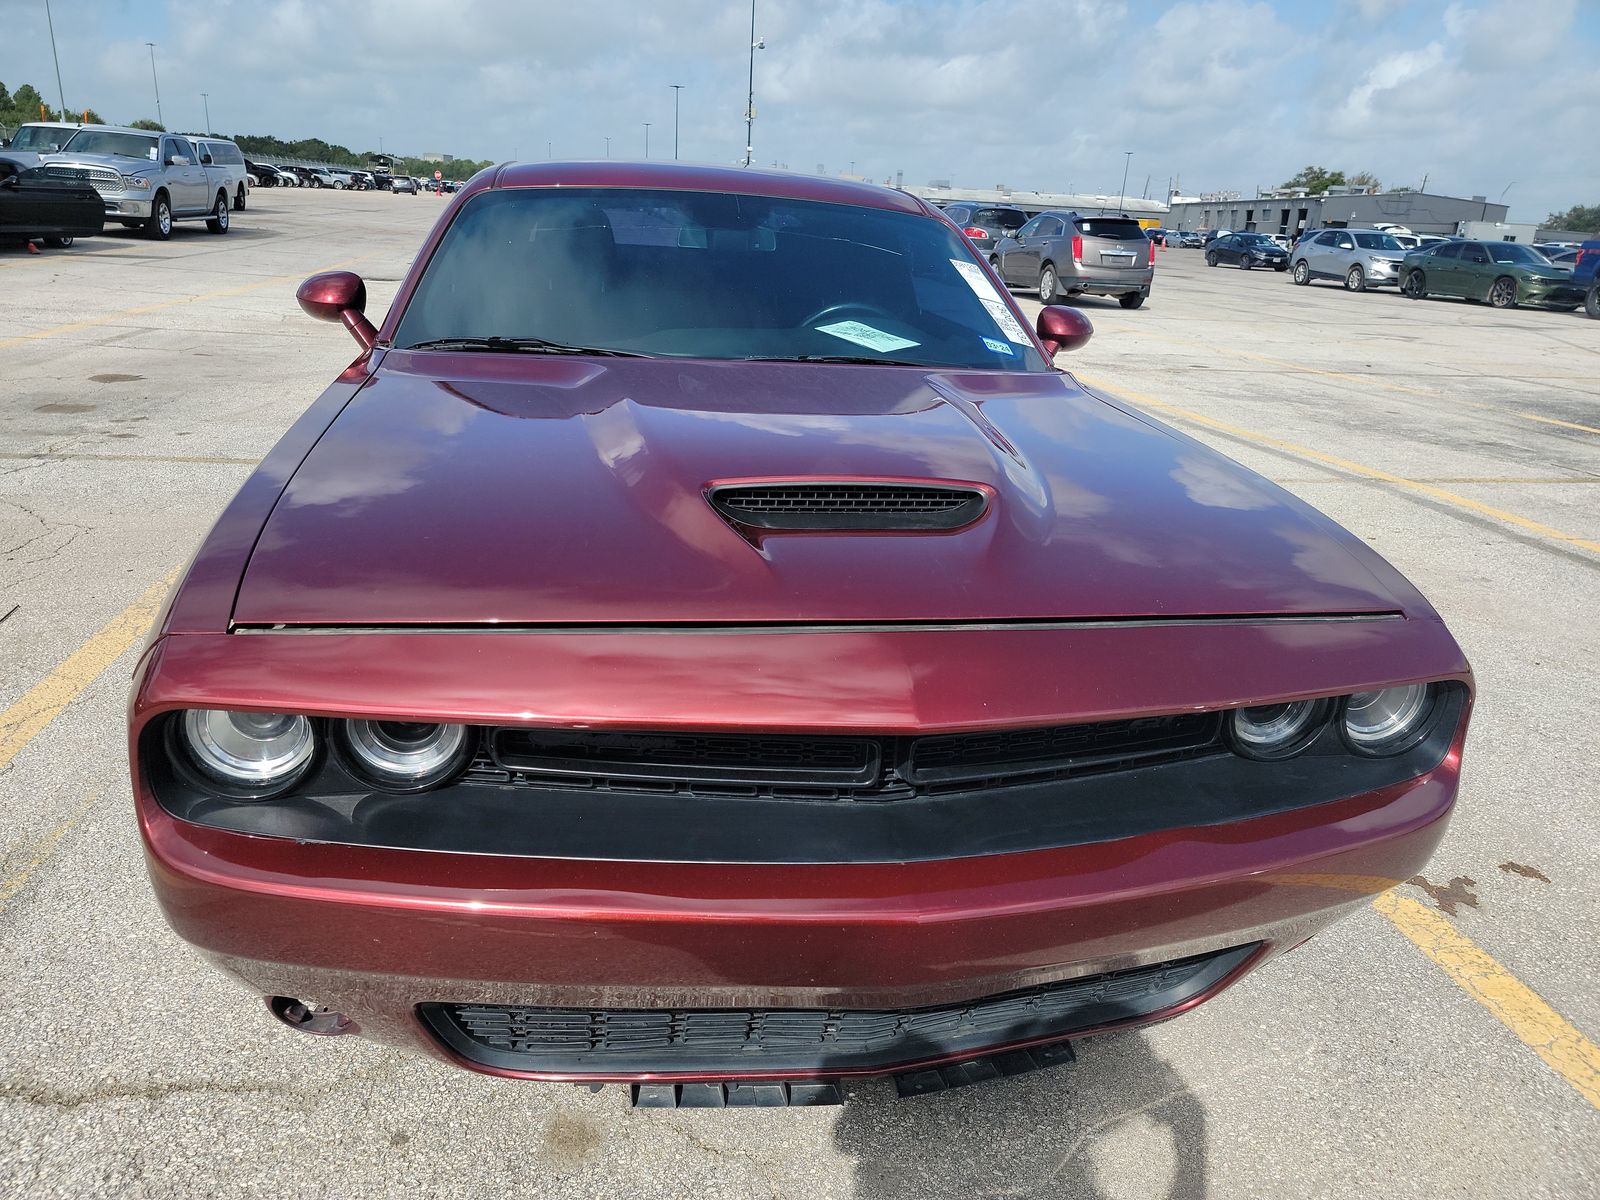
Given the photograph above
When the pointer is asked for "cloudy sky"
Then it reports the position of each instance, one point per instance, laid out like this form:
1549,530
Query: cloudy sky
1046,94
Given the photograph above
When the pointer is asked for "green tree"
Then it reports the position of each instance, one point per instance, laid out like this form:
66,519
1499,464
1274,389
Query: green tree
25,102
5,98
1315,180
1364,179
1579,218
147,123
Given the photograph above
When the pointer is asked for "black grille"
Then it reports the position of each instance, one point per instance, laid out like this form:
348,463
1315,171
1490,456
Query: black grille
834,768
838,506
812,1040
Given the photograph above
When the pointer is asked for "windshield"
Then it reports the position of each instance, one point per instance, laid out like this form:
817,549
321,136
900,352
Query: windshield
1256,239
125,145
1376,241
709,275
40,139
1510,252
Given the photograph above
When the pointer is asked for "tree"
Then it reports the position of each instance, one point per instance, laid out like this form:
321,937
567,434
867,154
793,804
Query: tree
147,123
25,101
5,98
1315,180
1364,179
1579,218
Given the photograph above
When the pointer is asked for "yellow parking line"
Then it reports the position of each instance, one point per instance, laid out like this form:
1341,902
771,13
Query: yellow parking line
113,317
48,698
1344,464
1554,421
42,850
1513,1003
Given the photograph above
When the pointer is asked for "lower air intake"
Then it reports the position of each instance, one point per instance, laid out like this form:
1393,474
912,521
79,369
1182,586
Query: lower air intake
728,1042
866,507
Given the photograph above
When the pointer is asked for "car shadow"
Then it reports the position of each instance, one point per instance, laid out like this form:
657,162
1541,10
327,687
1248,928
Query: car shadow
1119,1121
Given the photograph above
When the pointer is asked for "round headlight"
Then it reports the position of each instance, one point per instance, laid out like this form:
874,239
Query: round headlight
257,751
1388,721
405,755
1273,731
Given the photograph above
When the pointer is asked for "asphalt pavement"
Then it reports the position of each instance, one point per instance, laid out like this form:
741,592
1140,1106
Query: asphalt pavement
1439,1044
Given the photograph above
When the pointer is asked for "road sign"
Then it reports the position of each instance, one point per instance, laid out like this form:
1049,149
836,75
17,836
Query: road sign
438,174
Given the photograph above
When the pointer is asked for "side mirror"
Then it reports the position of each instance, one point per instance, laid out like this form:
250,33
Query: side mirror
339,296
1061,328
206,159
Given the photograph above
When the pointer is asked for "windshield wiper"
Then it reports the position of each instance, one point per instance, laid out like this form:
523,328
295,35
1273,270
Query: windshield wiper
519,345
833,358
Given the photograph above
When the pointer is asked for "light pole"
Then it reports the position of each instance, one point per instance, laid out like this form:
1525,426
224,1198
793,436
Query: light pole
205,98
750,97
608,147
160,120
677,91
1127,157
60,91
647,139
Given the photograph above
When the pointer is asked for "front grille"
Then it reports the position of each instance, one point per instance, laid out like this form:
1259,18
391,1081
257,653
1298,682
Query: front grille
846,505
728,1041
833,767
102,179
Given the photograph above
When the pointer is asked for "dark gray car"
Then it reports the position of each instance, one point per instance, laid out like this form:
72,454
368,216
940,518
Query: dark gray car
1067,254
986,224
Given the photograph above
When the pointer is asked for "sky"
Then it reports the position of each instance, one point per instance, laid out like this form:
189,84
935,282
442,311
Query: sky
1481,98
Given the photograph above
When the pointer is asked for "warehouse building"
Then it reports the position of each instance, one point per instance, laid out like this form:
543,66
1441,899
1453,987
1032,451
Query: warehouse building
1292,210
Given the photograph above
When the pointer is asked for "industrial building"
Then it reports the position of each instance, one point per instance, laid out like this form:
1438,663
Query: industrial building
1291,210
1151,212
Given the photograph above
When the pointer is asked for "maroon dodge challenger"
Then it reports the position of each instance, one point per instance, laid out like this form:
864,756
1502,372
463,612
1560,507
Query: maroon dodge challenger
703,643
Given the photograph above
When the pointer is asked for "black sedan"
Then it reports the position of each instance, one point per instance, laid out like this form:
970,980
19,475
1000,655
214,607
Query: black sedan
1247,250
47,203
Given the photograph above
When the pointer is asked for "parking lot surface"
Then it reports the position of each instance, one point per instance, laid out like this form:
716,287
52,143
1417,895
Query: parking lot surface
1441,1043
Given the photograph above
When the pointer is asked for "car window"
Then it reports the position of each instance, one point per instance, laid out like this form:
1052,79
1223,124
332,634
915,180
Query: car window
1377,241
1119,229
1343,242
183,148
125,145
1514,254
1006,219
1446,250
1473,253
1031,228
959,213
710,275
1327,239
1051,227
40,138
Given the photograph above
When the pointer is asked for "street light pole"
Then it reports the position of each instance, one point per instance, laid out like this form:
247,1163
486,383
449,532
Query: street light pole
1127,157
677,91
60,91
160,120
647,139
608,147
205,98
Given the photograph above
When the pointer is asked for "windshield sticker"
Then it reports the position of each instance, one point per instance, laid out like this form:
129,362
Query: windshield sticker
866,335
984,291
998,346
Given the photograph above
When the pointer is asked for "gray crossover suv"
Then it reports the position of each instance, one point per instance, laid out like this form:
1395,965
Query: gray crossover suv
1360,258
1068,254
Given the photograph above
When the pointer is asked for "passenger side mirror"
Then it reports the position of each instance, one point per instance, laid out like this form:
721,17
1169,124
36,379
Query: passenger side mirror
1061,328
177,160
339,296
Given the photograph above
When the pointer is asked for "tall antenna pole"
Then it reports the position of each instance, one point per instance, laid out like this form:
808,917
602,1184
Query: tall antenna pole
60,91
205,98
160,120
677,90
750,97
647,139
1127,157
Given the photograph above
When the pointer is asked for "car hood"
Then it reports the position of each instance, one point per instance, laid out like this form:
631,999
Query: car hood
121,163
527,490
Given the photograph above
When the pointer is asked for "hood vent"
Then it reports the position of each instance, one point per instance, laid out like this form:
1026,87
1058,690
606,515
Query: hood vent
871,506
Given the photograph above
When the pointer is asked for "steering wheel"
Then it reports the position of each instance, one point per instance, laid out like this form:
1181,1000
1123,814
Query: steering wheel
844,307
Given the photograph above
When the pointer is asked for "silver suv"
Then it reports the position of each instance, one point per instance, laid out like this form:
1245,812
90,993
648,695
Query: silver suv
1360,258
1067,254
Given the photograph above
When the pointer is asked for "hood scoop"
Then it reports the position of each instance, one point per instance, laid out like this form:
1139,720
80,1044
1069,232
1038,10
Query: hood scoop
859,506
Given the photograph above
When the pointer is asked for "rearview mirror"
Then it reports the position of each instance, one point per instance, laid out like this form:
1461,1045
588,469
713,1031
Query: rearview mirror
339,296
1061,328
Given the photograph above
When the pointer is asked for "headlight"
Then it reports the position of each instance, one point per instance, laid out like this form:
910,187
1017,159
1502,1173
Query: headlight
254,751
404,755
1387,721
135,183
1273,731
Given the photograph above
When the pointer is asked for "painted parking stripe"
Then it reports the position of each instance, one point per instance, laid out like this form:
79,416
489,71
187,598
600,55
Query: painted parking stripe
1451,498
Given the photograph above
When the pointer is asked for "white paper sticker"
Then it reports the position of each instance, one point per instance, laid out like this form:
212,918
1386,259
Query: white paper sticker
997,308
866,335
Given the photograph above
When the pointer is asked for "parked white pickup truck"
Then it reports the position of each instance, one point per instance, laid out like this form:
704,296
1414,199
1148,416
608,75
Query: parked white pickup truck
146,179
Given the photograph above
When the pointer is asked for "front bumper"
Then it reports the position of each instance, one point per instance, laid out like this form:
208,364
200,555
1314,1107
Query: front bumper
1554,291
126,206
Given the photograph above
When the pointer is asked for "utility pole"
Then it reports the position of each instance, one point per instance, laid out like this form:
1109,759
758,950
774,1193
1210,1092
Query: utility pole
1127,157
750,95
60,91
608,147
160,120
647,139
205,98
677,91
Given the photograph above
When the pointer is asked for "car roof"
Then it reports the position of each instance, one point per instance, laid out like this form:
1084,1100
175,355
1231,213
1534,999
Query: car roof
743,181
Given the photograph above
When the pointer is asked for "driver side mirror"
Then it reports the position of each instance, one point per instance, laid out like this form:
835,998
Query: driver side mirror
1061,328
339,296
177,160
